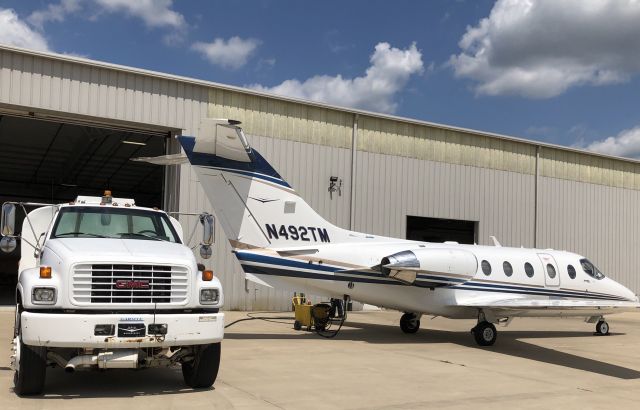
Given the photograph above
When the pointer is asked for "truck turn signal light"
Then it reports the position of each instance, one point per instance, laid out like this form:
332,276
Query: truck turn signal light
207,275
45,272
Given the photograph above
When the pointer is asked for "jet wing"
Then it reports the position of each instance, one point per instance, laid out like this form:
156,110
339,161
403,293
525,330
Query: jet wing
522,307
564,304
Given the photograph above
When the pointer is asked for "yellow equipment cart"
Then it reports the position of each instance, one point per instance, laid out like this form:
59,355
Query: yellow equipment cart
302,313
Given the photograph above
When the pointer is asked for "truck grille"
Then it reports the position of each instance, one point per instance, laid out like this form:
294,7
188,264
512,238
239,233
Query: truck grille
109,284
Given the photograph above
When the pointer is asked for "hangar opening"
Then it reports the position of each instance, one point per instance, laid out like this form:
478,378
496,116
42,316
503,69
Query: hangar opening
441,230
54,161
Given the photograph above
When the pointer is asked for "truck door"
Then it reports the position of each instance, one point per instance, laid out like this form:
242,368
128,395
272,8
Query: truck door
550,270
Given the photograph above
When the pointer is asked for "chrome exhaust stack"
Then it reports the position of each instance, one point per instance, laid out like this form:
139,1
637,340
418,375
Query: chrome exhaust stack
117,359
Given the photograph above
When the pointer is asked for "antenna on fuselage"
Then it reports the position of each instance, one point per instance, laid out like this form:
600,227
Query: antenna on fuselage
495,241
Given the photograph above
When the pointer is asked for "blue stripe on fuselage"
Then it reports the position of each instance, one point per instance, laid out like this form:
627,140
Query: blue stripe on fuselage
331,272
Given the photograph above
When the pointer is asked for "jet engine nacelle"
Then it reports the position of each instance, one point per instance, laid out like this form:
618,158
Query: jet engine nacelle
430,266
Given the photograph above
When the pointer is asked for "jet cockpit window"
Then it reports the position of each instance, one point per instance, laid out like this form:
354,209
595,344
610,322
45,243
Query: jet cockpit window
590,269
571,271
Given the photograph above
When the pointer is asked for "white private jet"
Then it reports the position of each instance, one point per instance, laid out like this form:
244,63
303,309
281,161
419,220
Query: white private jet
282,242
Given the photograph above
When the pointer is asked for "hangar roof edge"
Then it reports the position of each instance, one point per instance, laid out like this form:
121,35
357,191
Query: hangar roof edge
355,111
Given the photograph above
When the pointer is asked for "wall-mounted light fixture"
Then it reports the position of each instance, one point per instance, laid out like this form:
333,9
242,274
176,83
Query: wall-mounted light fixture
335,185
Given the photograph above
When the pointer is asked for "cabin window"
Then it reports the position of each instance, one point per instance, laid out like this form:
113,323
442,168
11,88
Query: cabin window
486,268
571,271
528,269
590,269
507,268
551,271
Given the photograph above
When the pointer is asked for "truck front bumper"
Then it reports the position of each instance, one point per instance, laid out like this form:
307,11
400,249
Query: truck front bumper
78,330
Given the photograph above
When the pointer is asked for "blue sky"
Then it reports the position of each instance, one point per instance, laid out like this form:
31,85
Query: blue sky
562,72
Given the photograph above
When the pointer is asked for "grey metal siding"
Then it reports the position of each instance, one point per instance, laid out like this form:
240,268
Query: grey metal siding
389,188
596,221
587,203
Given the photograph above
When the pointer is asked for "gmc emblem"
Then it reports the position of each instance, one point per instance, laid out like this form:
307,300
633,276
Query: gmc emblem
132,284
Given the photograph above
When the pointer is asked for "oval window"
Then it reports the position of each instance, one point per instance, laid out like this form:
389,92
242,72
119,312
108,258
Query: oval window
572,271
528,269
507,268
551,271
486,268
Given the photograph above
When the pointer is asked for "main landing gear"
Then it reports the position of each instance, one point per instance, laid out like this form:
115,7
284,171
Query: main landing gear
485,332
602,328
410,322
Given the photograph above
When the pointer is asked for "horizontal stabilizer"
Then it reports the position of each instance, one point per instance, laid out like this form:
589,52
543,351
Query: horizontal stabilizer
296,252
172,159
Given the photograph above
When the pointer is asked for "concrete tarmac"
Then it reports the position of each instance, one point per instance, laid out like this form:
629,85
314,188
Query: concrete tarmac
371,364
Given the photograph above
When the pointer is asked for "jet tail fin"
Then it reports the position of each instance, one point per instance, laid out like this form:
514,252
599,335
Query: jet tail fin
254,204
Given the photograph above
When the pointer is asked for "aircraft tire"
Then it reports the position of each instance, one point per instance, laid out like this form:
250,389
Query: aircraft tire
409,324
485,334
201,373
602,328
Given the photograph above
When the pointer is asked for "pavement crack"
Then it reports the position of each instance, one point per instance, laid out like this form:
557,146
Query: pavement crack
256,397
457,364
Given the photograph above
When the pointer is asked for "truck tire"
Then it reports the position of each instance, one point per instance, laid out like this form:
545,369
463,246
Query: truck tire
31,369
202,371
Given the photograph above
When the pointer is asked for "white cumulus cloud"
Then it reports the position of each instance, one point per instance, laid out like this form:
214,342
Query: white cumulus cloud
15,32
154,13
540,48
53,12
389,72
625,144
232,53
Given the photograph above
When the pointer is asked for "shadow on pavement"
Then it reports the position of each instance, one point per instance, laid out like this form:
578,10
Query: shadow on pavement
114,383
508,343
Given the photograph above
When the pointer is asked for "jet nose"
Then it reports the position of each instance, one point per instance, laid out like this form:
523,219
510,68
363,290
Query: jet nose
627,293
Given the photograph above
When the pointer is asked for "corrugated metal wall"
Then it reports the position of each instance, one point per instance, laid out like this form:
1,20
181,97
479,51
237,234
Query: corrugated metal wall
600,222
586,203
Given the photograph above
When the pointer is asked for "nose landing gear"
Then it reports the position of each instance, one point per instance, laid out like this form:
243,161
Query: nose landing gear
410,323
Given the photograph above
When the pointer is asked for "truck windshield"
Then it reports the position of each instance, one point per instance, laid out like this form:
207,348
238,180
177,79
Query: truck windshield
110,222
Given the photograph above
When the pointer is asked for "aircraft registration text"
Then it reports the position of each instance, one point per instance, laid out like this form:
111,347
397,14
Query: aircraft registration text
298,233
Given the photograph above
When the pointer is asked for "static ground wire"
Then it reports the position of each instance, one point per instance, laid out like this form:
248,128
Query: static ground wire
325,333
272,319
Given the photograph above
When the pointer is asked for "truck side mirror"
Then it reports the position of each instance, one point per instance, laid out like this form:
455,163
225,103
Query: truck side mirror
8,220
207,221
8,244
205,251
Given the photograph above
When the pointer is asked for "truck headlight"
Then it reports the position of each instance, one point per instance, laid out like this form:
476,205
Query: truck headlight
43,296
209,296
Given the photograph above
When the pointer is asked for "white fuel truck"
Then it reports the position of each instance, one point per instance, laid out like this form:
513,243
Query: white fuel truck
106,284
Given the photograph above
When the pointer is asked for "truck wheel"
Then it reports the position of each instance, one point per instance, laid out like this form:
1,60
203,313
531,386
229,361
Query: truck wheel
30,367
202,371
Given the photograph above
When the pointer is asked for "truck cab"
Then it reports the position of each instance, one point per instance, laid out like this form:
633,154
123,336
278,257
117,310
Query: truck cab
104,284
